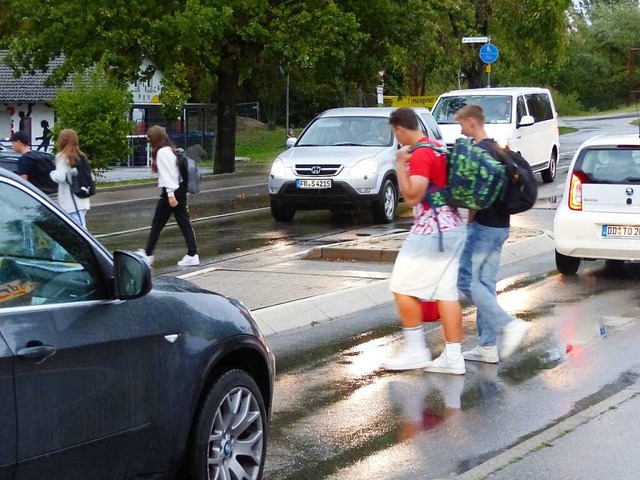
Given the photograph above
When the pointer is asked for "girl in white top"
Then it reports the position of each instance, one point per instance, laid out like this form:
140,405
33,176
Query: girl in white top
173,198
68,153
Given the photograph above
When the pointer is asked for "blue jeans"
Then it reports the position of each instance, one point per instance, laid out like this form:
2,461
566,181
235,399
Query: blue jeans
479,265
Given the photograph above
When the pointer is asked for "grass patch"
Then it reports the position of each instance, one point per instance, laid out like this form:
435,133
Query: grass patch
635,122
259,144
565,130
124,183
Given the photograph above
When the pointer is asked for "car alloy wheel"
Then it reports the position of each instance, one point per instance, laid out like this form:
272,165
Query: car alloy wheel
230,438
384,210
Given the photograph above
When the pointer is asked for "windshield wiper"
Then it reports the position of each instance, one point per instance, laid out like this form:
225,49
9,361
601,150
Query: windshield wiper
632,179
348,144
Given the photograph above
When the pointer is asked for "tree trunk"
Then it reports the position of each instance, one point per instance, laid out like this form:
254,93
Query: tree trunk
225,159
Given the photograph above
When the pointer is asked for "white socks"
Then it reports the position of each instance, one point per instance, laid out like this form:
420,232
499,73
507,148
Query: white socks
453,350
414,338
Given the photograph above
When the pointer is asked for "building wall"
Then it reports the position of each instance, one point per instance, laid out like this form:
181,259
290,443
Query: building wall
10,120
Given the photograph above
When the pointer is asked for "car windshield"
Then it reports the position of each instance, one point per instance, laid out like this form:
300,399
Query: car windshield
610,165
347,131
497,108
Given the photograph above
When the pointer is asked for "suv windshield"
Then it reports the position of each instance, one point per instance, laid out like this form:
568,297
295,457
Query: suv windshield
347,131
610,165
497,108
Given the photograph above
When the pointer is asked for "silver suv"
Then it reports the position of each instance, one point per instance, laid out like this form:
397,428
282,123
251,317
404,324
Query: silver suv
343,160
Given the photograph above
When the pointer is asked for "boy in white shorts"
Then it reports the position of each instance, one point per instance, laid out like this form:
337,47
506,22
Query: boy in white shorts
421,270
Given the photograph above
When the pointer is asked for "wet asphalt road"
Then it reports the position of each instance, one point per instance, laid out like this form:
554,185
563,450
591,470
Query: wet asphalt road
338,415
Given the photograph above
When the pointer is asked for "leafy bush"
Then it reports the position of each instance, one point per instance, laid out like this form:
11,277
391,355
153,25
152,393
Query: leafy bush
98,111
567,104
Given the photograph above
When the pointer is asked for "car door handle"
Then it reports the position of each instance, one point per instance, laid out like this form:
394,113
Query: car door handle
37,352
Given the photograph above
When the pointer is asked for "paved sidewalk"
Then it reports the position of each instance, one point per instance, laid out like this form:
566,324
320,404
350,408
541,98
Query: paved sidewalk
597,443
328,282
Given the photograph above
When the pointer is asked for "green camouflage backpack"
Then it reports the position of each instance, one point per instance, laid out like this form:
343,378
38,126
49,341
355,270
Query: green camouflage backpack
474,178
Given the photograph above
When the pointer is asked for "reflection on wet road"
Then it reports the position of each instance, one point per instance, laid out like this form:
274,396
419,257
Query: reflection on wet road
338,415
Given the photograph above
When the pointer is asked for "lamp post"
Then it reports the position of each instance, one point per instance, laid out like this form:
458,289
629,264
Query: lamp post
285,71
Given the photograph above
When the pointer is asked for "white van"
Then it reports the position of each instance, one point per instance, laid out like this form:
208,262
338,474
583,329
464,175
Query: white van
521,118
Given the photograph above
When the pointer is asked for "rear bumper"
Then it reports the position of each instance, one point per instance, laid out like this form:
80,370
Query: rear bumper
579,234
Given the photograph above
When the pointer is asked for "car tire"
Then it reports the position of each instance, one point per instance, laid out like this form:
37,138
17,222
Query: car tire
217,447
549,174
282,213
384,209
567,265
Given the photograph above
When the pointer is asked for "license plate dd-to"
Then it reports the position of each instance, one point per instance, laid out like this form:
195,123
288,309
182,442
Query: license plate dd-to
620,231
313,183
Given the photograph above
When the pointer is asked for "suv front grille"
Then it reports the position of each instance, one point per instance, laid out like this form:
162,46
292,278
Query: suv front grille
320,170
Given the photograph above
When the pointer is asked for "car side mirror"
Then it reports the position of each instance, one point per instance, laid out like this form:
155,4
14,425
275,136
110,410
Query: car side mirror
131,275
526,121
291,141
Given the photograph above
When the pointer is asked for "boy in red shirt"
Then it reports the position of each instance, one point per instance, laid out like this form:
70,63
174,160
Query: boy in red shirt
421,270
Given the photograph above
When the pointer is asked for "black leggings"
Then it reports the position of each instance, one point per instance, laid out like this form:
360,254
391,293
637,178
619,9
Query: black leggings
181,214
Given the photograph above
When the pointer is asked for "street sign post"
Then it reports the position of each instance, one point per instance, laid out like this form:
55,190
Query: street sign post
475,39
489,54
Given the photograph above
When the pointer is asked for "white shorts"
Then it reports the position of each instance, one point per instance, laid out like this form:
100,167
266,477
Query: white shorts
424,272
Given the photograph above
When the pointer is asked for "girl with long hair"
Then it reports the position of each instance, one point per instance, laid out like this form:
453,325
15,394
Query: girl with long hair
69,153
173,198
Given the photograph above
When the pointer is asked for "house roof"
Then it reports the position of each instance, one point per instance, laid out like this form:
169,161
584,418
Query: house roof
27,88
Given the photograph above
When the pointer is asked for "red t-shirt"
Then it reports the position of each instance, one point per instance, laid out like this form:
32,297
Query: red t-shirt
430,164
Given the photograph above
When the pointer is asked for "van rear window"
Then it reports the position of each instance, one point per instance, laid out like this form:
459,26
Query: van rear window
610,165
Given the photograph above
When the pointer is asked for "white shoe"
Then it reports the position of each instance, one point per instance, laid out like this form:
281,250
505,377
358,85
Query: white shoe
189,261
408,359
148,258
512,335
482,354
444,364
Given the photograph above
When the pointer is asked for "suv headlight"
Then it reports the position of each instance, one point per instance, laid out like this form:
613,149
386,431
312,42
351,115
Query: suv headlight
368,166
278,169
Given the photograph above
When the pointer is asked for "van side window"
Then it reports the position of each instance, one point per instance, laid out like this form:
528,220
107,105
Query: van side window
539,107
521,110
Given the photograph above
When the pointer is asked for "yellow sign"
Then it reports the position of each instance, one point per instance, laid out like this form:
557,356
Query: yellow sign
426,101
488,68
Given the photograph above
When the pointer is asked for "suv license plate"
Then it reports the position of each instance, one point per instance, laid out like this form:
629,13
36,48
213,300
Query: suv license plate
620,231
313,183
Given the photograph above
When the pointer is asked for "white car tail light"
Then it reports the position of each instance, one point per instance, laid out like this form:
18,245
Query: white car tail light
575,193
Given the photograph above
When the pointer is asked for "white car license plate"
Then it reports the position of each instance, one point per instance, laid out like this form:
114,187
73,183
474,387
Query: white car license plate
313,183
620,231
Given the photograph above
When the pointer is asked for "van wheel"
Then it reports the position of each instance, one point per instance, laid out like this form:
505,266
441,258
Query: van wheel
549,174
384,209
567,265
282,213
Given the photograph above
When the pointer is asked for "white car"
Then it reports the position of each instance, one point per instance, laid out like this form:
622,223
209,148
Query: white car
599,215
343,160
521,118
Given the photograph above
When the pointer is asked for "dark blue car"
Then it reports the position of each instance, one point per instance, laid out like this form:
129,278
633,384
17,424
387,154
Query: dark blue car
106,373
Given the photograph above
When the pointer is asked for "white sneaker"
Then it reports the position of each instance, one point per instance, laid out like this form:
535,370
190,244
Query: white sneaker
444,364
482,354
148,258
408,359
189,261
512,336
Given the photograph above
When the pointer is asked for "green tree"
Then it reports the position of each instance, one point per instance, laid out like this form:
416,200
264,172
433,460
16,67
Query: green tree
215,42
98,111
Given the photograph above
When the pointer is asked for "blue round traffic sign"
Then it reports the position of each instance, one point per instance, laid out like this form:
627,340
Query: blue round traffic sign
489,53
